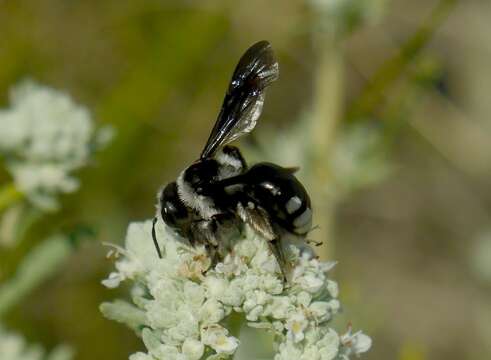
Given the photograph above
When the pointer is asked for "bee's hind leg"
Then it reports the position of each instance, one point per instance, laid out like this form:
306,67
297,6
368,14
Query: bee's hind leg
227,229
279,253
214,254
203,232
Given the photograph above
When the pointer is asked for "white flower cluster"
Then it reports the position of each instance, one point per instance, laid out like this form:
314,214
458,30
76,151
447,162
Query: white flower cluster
181,302
15,347
44,136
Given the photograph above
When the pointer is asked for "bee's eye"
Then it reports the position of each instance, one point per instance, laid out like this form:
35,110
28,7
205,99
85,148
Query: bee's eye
173,211
196,179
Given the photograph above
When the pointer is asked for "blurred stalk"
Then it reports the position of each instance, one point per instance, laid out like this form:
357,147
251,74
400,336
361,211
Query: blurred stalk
392,68
36,267
9,195
326,113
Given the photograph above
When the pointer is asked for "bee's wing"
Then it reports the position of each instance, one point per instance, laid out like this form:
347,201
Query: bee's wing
244,99
247,209
258,219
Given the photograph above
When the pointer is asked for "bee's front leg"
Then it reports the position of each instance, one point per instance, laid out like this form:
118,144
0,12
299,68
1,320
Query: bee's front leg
228,229
216,233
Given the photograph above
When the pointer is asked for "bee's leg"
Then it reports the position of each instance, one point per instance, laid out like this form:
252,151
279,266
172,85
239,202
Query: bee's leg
154,237
314,242
213,243
214,255
195,234
203,232
227,228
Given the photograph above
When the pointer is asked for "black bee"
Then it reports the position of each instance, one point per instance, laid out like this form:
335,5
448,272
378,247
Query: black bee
218,193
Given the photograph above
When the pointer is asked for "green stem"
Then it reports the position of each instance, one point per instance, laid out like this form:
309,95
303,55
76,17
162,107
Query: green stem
9,195
392,68
41,263
234,324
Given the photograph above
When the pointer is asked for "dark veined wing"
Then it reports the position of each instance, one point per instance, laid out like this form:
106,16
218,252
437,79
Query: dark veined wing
258,219
244,99
246,208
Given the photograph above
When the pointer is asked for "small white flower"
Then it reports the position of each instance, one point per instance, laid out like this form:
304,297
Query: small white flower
193,349
288,351
255,313
303,298
320,310
212,312
215,287
334,305
141,356
329,345
325,348
234,296
332,287
281,306
217,338
296,325
113,280
356,343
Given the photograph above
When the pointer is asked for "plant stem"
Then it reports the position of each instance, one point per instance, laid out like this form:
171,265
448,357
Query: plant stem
393,67
9,195
234,324
326,113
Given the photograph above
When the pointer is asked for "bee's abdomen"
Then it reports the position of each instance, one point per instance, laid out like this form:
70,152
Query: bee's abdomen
298,215
278,191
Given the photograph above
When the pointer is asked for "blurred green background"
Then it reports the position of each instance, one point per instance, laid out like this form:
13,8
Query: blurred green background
413,246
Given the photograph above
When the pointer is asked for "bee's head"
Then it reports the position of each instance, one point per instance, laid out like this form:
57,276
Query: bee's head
200,174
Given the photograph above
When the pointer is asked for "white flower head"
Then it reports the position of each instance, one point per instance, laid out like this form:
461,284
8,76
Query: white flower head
44,137
183,302
14,347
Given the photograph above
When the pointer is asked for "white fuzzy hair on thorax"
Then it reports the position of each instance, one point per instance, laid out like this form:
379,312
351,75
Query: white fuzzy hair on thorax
204,205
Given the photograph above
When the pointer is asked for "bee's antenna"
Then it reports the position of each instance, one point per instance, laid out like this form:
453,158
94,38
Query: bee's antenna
154,237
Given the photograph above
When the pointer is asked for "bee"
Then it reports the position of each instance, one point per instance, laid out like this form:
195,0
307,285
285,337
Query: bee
219,193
